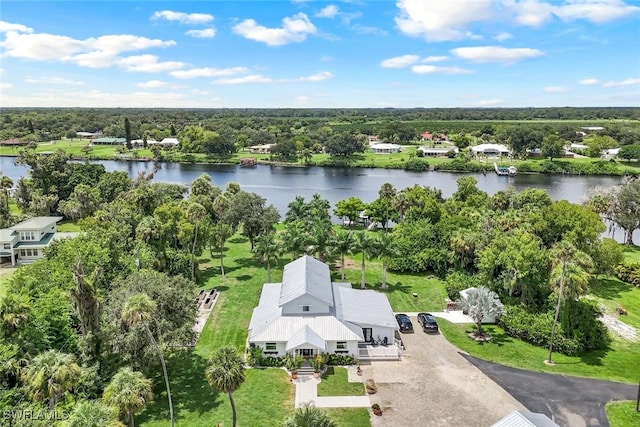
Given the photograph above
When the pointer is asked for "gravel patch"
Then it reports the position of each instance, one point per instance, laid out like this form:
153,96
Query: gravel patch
617,327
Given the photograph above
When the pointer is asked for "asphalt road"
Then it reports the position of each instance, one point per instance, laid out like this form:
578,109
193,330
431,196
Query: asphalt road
569,401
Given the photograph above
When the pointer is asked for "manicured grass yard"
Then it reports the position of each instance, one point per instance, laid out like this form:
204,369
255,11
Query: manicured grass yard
623,414
335,383
632,254
350,417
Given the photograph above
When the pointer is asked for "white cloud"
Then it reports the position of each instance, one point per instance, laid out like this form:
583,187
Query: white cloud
294,30
496,53
365,29
5,85
556,89
7,26
253,78
148,64
432,69
589,82
439,20
151,84
207,33
627,82
489,102
535,13
318,77
54,81
195,73
100,52
503,36
302,100
183,18
400,61
328,12
435,58
597,11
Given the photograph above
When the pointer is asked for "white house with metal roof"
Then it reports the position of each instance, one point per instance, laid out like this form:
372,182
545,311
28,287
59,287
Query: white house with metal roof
308,314
24,242
490,150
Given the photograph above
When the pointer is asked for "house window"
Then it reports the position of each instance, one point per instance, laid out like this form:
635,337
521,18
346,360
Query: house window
341,345
28,235
305,308
6,245
270,346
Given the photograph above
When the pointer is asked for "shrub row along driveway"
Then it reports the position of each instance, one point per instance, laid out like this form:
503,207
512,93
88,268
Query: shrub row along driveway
433,385
569,401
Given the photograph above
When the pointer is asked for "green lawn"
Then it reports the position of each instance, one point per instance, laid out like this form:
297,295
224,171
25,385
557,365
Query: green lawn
350,417
68,226
5,275
611,293
623,414
632,253
335,383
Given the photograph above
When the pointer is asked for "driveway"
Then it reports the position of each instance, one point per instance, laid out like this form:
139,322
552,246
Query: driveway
569,401
433,385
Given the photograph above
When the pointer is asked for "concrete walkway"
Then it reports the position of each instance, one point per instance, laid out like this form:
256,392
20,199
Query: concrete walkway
307,393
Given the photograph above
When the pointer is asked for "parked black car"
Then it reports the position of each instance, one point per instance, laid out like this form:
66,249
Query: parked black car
428,322
404,323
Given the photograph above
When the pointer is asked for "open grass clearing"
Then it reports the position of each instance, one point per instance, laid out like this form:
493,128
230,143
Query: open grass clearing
611,293
632,253
618,363
335,382
622,414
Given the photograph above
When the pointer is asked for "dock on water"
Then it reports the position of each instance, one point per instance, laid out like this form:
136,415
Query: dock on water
505,170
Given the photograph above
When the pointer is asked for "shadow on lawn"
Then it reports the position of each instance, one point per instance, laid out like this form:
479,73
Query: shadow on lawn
396,287
189,389
497,338
594,358
609,289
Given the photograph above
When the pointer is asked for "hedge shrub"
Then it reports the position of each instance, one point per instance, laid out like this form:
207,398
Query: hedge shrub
629,272
459,281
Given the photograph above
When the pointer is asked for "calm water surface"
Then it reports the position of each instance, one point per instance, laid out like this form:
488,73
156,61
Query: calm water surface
280,185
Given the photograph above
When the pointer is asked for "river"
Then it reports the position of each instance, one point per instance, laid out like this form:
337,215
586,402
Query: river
280,185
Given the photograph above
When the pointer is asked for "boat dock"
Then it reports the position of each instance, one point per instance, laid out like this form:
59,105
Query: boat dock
505,170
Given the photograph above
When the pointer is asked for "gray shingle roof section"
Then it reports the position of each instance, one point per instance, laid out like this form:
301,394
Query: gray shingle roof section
306,275
364,307
37,223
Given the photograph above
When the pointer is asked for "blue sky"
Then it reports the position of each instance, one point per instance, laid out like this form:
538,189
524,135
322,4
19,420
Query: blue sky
290,54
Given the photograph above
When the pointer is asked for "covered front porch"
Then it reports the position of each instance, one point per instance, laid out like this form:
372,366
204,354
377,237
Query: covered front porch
369,351
306,343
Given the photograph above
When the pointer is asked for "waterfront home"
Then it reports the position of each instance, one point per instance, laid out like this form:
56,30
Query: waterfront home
610,153
24,242
437,151
490,150
308,314
385,148
261,149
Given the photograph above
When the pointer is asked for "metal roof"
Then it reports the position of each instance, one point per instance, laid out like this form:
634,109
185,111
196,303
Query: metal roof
7,234
326,327
37,223
525,419
306,276
306,335
363,307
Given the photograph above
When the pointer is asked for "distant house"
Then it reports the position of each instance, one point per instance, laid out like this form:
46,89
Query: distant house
24,242
427,136
385,148
374,139
89,135
261,149
578,147
610,153
490,150
437,151
108,140
308,314
171,141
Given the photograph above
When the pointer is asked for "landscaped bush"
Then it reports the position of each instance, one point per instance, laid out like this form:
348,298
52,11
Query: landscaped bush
579,320
535,328
458,281
416,165
339,359
629,272
460,165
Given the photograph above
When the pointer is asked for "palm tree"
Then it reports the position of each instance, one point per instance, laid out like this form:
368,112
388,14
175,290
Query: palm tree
221,206
50,375
196,213
384,247
226,374
93,413
309,416
481,303
295,239
569,277
138,310
363,243
266,250
343,244
128,392
321,238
